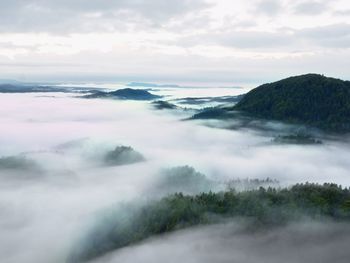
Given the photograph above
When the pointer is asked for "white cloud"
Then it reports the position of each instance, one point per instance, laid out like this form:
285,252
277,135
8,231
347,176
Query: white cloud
88,16
174,39
76,186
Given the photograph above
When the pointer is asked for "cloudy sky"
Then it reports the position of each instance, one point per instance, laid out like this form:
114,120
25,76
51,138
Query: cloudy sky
213,41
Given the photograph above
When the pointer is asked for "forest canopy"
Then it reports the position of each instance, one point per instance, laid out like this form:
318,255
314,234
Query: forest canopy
265,207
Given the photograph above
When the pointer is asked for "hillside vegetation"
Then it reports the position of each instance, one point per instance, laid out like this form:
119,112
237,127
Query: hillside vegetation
124,94
264,207
310,99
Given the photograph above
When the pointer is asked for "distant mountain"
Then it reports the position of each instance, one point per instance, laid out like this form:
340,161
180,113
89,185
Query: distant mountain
307,99
17,88
127,94
152,85
213,113
10,81
33,88
311,99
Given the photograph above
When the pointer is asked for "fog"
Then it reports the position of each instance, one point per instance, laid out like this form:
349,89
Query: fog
44,212
303,242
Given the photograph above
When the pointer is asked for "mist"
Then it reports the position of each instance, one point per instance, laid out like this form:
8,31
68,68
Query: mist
302,242
45,212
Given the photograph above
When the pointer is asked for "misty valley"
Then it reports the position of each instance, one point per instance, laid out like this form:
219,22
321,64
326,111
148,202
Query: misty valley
145,172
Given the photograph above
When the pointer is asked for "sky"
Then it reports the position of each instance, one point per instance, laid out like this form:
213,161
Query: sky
183,41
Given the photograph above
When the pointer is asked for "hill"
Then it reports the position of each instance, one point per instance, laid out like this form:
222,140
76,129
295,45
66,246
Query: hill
14,88
126,94
264,208
123,155
310,99
163,105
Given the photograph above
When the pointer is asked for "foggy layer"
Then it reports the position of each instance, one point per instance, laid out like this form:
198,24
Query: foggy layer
42,217
310,242
33,123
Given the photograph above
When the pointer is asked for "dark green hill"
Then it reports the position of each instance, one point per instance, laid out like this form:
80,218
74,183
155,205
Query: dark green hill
264,208
163,105
123,155
15,88
124,94
310,99
136,94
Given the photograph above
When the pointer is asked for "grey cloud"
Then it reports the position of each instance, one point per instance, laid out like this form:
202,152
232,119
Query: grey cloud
331,31
337,43
285,39
7,45
332,36
268,7
241,39
245,24
256,39
67,16
342,12
311,8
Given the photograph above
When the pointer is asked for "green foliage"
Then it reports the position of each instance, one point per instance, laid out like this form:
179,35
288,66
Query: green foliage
163,105
250,184
212,113
298,138
184,179
123,155
308,99
18,163
265,207
125,94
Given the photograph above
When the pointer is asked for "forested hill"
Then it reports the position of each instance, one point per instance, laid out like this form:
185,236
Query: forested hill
310,99
264,208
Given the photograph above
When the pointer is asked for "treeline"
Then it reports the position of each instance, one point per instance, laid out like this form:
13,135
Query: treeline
265,207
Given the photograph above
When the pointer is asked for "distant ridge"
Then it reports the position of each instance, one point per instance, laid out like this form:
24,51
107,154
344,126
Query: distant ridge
152,85
309,99
124,94
15,88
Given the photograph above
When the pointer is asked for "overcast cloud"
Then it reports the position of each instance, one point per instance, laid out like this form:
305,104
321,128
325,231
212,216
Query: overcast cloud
311,8
184,40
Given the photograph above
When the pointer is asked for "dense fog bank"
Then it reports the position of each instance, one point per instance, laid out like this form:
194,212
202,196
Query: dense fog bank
44,212
311,242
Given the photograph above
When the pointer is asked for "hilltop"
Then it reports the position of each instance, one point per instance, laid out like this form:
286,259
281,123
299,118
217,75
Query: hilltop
311,99
125,94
